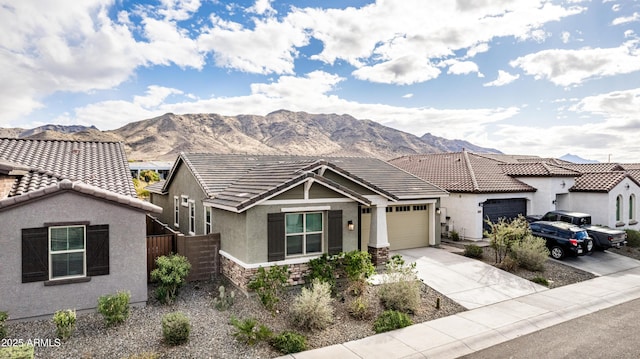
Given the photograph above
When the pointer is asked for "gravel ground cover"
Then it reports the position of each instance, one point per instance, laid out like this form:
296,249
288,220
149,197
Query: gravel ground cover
211,334
627,251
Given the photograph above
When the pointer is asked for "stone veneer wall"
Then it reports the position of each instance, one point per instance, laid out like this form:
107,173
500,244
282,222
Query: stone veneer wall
379,256
241,276
6,182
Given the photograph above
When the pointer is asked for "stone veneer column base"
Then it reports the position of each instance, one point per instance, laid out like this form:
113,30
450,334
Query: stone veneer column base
241,276
379,256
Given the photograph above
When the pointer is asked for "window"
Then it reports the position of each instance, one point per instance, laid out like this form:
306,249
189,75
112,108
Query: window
366,210
192,217
303,233
184,200
422,207
618,208
632,206
66,252
176,211
208,227
388,209
403,208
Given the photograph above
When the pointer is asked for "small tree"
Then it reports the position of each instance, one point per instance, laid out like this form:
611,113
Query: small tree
269,284
172,272
504,233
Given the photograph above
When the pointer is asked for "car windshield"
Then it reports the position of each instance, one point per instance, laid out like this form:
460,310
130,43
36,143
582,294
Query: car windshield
581,235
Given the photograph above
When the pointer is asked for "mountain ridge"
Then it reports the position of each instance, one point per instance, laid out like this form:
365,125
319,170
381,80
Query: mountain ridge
279,132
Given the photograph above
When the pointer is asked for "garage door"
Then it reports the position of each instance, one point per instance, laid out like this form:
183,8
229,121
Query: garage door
503,208
407,226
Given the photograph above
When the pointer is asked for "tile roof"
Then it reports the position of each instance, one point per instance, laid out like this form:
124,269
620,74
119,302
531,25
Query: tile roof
237,181
537,169
599,181
462,172
80,187
100,164
593,167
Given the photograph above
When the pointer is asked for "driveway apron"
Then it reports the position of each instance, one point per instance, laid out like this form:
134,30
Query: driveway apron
602,263
469,282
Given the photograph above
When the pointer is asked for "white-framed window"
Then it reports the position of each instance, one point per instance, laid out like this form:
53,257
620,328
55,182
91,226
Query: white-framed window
184,200
303,233
420,207
403,208
67,255
208,220
618,208
176,212
632,207
366,210
192,217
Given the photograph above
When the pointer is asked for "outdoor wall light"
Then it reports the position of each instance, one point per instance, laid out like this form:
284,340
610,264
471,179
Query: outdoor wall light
351,226
626,186
437,210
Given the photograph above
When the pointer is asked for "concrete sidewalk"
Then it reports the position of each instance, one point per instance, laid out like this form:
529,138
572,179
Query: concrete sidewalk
487,325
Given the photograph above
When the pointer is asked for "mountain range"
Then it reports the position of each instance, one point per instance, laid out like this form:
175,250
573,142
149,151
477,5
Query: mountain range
280,132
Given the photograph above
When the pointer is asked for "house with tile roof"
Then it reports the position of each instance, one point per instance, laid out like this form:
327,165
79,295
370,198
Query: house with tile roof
491,186
72,228
289,209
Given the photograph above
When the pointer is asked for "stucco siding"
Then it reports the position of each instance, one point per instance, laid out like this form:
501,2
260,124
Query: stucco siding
348,183
183,184
127,255
549,191
233,232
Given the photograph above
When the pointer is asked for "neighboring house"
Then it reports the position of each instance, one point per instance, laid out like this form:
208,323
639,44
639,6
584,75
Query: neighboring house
491,186
72,229
289,209
162,168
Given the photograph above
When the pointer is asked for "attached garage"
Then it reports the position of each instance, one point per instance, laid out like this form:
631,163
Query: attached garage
509,208
407,226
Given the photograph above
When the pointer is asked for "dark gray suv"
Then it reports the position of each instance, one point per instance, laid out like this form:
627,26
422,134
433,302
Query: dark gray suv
563,239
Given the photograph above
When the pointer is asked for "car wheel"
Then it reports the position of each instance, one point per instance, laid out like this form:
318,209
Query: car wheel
557,252
590,247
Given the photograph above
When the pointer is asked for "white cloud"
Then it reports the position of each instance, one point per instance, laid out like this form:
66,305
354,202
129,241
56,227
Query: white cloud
615,7
178,9
402,71
629,34
565,36
572,67
262,7
613,105
409,95
626,19
504,78
463,68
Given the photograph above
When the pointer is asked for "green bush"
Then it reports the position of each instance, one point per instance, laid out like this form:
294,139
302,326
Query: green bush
504,233
472,251
114,308
249,332
540,280
175,328
391,320
3,330
530,253
312,309
171,272
289,342
401,287
454,235
269,285
65,321
23,351
322,268
508,264
633,238
224,300
358,265
359,308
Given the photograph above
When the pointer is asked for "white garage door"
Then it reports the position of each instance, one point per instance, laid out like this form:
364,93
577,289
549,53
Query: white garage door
407,226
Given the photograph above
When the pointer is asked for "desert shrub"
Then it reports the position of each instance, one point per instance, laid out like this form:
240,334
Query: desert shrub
508,264
175,328
224,300
114,308
504,233
289,342
249,332
358,267
540,280
171,272
454,235
633,238
391,320
359,308
24,351
401,287
312,309
3,330
150,176
322,268
472,251
530,253
65,321
269,285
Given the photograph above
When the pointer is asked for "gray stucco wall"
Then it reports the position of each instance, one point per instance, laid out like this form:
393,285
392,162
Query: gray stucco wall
127,255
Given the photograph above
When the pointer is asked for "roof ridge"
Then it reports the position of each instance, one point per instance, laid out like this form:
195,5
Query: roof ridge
472,173
57,140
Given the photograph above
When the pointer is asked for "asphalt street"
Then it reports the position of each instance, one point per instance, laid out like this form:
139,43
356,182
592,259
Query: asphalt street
610,333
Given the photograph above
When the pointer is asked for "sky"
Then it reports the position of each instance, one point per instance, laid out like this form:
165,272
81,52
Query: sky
531,77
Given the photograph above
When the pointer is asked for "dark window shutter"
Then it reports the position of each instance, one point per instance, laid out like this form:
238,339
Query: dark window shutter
275,236
98,250
335,232
35,254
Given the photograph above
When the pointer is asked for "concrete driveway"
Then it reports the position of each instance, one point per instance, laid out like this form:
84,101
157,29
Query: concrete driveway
601,263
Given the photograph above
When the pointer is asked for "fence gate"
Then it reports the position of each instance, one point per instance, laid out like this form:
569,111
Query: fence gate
202,253
157,246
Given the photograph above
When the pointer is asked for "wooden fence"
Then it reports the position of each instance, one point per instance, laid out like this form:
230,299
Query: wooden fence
157,246
203,254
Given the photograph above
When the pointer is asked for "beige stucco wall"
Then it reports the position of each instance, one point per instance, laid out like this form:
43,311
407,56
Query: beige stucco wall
127,255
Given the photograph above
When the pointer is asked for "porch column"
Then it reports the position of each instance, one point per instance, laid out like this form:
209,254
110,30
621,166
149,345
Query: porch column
378,236
432,223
